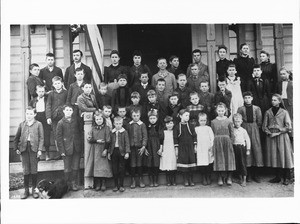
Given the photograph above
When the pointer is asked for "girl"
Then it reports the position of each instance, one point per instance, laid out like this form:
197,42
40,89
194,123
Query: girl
223,152
269,70
152,159
279,153
167,152
185,140
97,164
194,108
205,157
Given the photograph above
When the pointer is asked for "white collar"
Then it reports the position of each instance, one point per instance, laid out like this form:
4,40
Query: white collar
120,131
139,122
77,65
144,85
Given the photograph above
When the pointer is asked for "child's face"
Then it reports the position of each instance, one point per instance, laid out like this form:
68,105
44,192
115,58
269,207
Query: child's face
248,99
152,119
77,57
175,62
222,53
162,64
231,71
284,75
135,100
173,100
35,71
245,50
79,76
185,117
115,59
170,125
152,98
118,124
195,70
122,112
222,85
161,86
263,57
99,120
257,72
103,90
50,61
40,92
30,115
136,116
204,87
144,78
275,101
137,60
57,85
221,111
182,81
197,57
106,112
237,122
122,82
202,120
194,99
87,89
68,111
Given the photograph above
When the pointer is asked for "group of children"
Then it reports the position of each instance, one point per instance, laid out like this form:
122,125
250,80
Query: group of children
165,125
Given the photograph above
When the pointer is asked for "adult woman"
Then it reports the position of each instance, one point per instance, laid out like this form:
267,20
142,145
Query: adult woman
269,70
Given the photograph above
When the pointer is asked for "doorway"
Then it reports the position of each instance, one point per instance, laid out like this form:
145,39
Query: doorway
155,41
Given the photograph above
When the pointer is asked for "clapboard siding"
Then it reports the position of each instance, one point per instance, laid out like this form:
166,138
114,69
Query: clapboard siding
250,38
268,40
59,47
288,45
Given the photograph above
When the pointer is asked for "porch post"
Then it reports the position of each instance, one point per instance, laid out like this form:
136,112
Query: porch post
88,117
67,41
25,61
50,39
278,46
258,41
211,55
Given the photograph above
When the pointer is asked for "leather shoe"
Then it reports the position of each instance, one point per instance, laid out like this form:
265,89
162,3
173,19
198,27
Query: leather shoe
25,194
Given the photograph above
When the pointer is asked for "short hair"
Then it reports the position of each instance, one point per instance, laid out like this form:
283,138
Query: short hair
50,55
103,84
79,70
135,95
143,71
121,107
242,45
181,75
237,116
265,52
86,83
122,76
161,59
31,108
168,119
56,78
66,105
136,111
194,64
182,111
32,66
193,94
197,51
231,65
161,80
77,50
107,107
153,112
173,57
174,94
204,81
118,118
256,66
222,47
151,92
222,79
278,96
137,53
114,52
40,87
201,114
98,113
221,104
247,93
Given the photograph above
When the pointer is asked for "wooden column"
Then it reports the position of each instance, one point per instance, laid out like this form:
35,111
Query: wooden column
25,61
258,41
241,38
88,118
67,41
50,39
278,46
211,55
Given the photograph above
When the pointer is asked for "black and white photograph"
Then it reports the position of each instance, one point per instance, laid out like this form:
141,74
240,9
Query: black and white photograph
171,117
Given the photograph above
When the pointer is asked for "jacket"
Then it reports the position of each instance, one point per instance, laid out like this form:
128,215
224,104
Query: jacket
32,82
87,103
55,103
70,77
123,140
73,92
36,132
137,134
289,91
203,71
281,121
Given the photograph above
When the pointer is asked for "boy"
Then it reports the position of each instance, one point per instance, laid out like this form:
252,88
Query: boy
107,112
174,66
194,80
135,99
241,147
183,90
87,101
138,141
162,94
206,99
103,98
154,104
143,87
203,69
260,89
55,102
164,74
28,143
174,107
223,95
33,80
70,146
121,112
47,73
118,153
121,95
194,108
39,103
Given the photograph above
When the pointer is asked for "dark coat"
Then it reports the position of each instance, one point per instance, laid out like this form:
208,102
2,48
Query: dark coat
137,134
135,74
176,71
55,103
70,74
32,82
120,97
47,76
103,100
87,103
112,72
222,66
289,91
184,95
244,67
143,92
73,92
269,72
123,140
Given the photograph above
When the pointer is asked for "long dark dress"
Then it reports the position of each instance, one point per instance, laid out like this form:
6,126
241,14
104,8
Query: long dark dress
269,72
152,160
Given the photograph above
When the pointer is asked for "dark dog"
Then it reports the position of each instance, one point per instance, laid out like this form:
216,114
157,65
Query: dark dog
52,189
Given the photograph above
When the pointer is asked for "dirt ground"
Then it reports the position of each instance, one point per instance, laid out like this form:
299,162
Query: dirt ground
253,190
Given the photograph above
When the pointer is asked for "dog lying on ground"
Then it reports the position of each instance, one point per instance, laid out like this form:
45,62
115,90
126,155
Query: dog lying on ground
52,189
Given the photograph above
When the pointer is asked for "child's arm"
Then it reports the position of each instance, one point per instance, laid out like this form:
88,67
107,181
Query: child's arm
144,139
82,106
266,123
287,123
127,145
60,141
69,96
161,141
247,141
31,85
258,117
107,140
41,138
49,107
17,139
231,130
